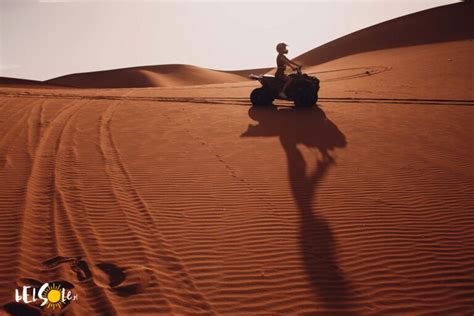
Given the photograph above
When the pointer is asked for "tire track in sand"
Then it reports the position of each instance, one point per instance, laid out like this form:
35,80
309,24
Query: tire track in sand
37,237
15,168
75,237
181,292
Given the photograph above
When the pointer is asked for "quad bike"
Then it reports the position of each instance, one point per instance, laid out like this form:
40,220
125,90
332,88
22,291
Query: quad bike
303,90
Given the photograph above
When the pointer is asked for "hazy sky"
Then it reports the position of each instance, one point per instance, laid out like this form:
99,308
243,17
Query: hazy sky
44,39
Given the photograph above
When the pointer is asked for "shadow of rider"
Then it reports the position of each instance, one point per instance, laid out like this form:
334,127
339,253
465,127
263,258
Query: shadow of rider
313,129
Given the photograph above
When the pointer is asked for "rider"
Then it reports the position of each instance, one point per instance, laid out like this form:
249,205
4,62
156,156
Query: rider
282,62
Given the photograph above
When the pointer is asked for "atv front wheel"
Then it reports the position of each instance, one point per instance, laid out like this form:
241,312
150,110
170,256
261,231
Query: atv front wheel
307,98
260,97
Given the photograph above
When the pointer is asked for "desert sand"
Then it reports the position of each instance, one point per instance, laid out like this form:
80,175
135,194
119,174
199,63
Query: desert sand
184,200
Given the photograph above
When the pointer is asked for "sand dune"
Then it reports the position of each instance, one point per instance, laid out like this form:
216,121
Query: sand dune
186,201
432,71
138,77
148,76
441,24
23,83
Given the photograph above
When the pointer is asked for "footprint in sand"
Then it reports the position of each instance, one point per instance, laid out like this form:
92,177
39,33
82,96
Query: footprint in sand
123,281
79,266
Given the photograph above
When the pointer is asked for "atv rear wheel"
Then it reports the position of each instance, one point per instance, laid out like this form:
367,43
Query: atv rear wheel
261,97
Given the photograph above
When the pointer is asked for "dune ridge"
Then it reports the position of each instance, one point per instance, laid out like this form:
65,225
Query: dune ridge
441,24
148,76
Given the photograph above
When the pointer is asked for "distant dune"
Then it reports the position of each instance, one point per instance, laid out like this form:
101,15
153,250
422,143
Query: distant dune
148,76
441,24
24,83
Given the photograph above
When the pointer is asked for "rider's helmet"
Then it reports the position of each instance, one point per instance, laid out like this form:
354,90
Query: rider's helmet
281,48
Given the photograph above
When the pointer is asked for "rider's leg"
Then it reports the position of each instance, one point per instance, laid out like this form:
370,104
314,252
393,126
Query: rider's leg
285,85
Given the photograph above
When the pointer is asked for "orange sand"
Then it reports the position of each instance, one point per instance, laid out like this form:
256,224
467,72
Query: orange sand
186,201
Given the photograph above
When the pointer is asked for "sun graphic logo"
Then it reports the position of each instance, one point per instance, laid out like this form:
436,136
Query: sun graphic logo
53,296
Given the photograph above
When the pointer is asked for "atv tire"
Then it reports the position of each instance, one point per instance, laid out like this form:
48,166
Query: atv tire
261,97
306,98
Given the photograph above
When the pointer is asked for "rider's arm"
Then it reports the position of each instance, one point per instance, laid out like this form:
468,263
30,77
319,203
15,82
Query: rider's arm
290,63
298,66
